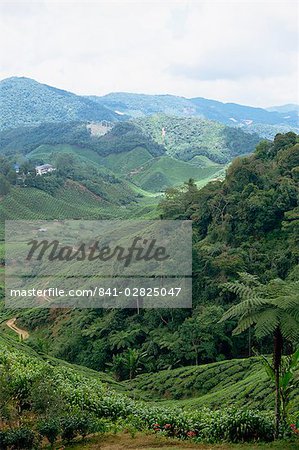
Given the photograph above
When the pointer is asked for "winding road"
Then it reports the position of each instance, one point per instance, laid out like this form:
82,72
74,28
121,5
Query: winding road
11,323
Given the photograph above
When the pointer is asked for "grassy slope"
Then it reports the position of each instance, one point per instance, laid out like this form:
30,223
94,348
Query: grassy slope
45,152
160,173
124,163
9,339
239,382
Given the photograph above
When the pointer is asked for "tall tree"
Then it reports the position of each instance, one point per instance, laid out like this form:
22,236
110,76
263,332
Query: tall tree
274,310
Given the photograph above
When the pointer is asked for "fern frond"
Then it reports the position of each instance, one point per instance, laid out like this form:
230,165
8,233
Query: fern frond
248,278
287,301
245,307
240,289
244,324
267,322
289,327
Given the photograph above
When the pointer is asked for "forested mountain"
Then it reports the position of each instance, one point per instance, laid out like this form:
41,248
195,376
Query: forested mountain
25,102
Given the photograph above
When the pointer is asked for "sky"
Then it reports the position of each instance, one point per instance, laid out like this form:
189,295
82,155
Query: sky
232,51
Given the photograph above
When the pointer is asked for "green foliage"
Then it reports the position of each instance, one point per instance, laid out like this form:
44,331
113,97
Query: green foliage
88,402
287,380
213,426
266,306
49,428
18,438
4,185
76,424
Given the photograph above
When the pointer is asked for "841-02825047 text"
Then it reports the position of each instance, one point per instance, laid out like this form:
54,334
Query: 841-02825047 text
99,292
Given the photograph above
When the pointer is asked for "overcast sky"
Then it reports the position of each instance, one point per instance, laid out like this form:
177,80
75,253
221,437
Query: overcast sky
245,52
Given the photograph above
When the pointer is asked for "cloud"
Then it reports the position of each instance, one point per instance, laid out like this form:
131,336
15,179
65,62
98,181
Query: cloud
233,51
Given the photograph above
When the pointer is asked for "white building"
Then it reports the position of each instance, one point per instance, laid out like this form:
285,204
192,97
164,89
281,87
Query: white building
45,168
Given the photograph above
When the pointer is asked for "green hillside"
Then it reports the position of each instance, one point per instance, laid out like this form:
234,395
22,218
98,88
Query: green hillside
47,395
246,223
138,167
124,163
46,152
169,364
122,137
25,102
242,382
133,153
160,173
186,138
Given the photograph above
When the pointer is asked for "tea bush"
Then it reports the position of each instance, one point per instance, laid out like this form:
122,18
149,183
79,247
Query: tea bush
89,405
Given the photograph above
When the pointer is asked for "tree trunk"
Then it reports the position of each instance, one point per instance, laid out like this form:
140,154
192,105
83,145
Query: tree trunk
277,354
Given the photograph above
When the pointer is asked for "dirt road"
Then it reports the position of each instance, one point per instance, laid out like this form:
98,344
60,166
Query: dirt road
11,323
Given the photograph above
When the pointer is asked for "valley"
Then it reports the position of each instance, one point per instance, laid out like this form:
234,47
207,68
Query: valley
155,378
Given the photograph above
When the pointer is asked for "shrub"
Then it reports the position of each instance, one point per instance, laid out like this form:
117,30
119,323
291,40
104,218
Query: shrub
213,426
50,429
3,442
241,425
69,428
77,424
19,438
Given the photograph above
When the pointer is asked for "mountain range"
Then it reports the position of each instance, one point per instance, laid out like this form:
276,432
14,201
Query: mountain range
25,102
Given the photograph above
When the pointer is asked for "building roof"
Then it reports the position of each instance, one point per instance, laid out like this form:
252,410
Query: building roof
44,166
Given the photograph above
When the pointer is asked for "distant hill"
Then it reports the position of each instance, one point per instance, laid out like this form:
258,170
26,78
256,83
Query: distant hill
123,137
130,152
187,138
290,107
233,114
26,102
138,105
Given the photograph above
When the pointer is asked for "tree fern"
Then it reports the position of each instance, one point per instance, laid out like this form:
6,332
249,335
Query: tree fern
273,309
